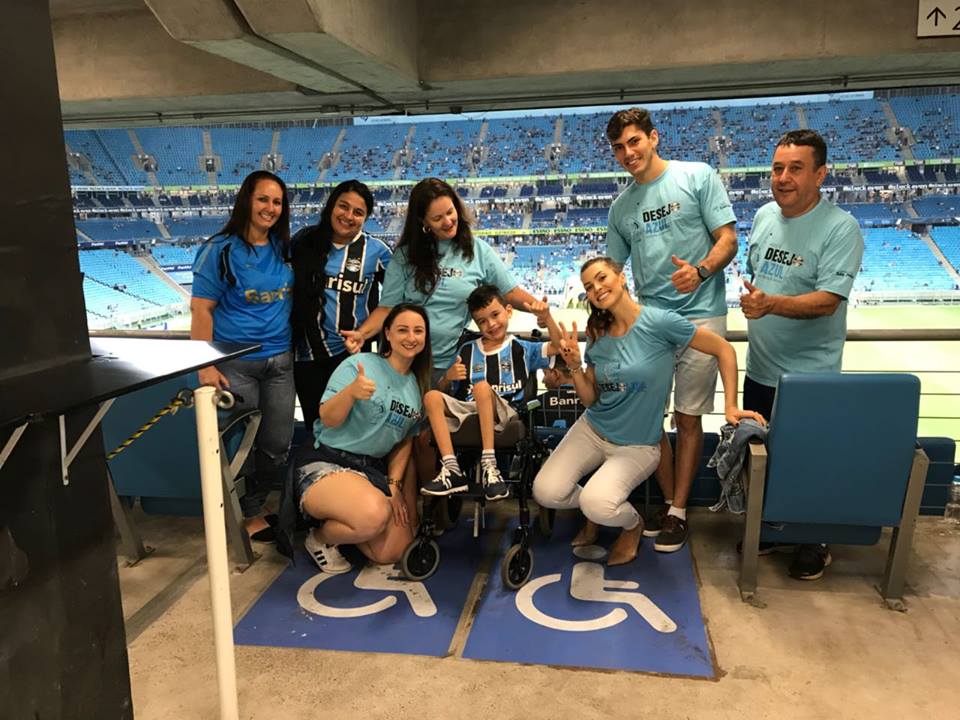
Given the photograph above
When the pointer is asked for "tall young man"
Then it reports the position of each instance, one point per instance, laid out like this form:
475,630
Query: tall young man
676,225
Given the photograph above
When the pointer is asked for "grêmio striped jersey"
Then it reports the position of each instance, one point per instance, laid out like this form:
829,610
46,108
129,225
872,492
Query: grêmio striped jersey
507,368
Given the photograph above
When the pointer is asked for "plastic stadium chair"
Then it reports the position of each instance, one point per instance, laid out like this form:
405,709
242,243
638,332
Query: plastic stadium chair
840,463
161,467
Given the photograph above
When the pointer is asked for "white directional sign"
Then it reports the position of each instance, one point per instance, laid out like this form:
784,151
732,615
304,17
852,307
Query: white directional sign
938,19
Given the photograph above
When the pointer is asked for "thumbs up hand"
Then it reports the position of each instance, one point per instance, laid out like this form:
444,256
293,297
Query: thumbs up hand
457,371
685,278
755,303
539,309
362,387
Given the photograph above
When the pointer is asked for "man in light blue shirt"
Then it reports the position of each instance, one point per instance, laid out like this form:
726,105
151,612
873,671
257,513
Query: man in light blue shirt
803,257
676,225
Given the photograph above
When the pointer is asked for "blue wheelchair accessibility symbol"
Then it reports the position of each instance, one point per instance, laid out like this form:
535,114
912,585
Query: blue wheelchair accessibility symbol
589,584
578,612
372,577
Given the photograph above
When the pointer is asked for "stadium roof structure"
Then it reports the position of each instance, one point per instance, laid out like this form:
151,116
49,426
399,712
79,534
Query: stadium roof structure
144,61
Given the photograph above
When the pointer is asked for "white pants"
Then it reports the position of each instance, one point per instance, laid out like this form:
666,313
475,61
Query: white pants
619,469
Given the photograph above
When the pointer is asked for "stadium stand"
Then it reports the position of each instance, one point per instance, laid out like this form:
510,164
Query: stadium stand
193,228
116,270
113,229
899,260
948,240
935,122
515,146
750,132
303,149
853,129
368,151
177,152
441,149
240,151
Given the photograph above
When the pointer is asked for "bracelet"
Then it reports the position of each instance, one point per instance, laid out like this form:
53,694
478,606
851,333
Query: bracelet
398,483
576,370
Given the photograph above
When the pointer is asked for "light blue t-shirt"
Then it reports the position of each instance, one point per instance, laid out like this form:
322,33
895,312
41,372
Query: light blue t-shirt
672,215
252,288
373,426
446,305
819,250
633,375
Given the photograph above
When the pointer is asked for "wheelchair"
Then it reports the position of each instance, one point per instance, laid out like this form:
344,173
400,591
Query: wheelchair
529,439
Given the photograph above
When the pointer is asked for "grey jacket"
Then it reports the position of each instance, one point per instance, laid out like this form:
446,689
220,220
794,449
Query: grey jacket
728,460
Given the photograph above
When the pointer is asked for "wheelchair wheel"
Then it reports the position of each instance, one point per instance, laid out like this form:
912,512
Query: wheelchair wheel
517,567
545,519
420,560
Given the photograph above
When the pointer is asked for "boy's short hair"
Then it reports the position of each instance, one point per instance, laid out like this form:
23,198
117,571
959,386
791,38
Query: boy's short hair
558,363
483,296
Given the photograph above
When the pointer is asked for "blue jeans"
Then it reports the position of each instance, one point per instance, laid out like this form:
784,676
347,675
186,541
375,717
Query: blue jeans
265,384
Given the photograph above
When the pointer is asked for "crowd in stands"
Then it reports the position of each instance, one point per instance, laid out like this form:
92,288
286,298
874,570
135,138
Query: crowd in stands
736,136
530,221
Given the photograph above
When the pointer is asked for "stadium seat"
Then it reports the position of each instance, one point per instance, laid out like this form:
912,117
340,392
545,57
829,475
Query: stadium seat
161,466
839,465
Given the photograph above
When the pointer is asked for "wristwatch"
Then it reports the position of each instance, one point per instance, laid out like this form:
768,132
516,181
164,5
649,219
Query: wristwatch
703,273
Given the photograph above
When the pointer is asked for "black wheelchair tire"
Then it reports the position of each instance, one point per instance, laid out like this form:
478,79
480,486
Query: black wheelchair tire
420,560
516,568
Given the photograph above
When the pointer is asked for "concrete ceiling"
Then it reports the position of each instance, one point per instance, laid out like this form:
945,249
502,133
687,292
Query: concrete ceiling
144,61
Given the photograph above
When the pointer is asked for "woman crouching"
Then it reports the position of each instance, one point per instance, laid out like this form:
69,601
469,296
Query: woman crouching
354,481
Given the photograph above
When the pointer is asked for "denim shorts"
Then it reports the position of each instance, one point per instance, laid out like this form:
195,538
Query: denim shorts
322,461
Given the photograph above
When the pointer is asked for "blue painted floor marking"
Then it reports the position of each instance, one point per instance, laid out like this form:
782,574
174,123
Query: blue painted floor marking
576,611
371,610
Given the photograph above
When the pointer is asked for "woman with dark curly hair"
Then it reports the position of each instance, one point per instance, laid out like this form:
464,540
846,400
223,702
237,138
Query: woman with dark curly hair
337,269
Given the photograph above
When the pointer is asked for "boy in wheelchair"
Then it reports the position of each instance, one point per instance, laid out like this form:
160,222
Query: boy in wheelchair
488,377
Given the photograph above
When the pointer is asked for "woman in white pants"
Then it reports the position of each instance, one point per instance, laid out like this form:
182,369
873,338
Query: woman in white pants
630,354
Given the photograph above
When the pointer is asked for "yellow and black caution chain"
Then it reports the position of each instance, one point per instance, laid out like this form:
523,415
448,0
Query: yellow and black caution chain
184,398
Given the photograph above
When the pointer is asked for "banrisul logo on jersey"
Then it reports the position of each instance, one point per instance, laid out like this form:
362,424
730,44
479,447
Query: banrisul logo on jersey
348,285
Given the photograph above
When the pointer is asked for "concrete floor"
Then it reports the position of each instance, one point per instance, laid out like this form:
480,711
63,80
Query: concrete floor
824,649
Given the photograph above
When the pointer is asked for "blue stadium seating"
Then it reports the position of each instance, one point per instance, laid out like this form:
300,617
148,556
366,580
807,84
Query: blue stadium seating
302,149
853,129
515,146
177,151
113,229
948,240
240,151
935,121
899,260
752,131
367,152
192,228
440,149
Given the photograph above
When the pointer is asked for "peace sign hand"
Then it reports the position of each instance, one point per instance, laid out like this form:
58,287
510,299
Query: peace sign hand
570,347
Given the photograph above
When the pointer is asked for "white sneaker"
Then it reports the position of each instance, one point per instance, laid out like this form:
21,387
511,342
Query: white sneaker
327,557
